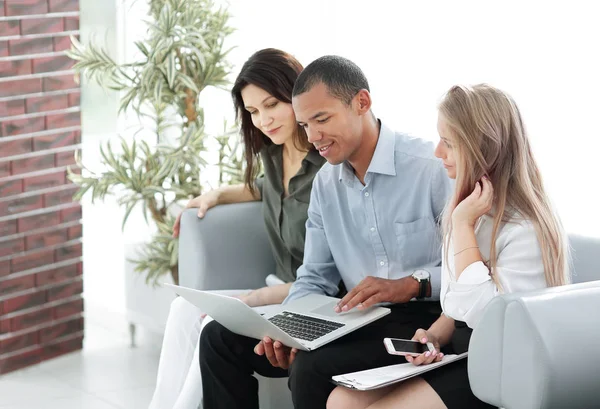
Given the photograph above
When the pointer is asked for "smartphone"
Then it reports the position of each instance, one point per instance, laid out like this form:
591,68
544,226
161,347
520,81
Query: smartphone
406,347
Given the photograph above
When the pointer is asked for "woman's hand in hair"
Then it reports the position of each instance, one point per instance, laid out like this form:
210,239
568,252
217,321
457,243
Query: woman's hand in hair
202,203
478,203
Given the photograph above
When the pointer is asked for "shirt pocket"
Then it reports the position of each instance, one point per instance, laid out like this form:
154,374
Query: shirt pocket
418,243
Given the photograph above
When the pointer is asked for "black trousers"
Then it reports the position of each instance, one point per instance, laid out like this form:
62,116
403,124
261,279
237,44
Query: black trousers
228,361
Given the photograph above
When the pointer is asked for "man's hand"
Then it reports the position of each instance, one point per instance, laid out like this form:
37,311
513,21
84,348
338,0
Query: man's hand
373,290
279,355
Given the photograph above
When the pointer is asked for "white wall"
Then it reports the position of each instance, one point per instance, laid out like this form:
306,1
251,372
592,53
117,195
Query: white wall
544,53
102,240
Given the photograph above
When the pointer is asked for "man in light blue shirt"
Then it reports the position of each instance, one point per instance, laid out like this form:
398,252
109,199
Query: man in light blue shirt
372,223
385,228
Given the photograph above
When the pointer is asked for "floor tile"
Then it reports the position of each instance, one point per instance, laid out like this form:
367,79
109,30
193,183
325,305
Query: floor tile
106,374
137,398
83,401
107,369
17,387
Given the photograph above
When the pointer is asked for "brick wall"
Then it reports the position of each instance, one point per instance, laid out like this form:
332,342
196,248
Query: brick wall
40,231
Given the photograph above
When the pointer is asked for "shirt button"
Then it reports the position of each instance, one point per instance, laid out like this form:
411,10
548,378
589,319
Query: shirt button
366,194
382,263
372,228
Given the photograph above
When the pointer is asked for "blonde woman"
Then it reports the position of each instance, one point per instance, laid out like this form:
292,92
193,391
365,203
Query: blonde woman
501,236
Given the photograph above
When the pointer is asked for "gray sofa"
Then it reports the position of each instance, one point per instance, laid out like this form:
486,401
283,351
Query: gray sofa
535,350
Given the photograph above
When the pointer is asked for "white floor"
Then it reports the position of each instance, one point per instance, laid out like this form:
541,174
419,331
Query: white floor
106,374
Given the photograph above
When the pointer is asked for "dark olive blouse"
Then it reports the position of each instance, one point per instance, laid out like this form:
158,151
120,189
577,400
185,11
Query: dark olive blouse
285,217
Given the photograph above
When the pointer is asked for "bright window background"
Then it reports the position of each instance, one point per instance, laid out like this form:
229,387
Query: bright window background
546,54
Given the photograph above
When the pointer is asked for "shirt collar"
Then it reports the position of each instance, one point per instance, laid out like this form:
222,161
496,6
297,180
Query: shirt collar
312,156
383,160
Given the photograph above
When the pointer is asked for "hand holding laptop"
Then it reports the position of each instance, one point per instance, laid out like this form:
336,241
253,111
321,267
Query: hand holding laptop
279,355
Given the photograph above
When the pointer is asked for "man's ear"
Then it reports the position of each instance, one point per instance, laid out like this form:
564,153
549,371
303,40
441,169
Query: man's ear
363,101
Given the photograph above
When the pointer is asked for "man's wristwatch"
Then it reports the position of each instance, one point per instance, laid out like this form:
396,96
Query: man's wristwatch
422,277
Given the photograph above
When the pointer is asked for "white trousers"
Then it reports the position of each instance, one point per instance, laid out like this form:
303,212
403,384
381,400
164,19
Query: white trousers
178,383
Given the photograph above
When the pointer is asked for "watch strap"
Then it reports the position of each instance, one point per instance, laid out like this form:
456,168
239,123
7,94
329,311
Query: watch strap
422,288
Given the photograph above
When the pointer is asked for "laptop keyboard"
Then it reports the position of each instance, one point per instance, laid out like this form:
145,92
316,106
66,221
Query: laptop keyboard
304,327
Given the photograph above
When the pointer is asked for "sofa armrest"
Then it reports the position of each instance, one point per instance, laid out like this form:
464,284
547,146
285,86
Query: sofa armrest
539,349
227,249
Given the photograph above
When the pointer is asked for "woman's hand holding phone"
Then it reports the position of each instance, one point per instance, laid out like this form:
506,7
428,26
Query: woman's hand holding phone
429,357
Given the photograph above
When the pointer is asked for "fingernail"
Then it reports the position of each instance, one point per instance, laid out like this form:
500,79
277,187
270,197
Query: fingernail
441,355
427,353
345,308
267,341
336,308
360,306
423,339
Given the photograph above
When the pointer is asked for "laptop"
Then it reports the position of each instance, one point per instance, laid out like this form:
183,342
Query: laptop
307,323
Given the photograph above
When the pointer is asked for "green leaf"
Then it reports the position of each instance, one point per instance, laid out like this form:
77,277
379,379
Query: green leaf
171,70
142,47
158,89
128,210
187,82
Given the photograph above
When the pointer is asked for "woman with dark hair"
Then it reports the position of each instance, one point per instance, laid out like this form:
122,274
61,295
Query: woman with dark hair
262,95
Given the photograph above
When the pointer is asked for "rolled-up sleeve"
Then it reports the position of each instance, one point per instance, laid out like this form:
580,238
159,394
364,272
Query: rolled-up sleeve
318,273
519,268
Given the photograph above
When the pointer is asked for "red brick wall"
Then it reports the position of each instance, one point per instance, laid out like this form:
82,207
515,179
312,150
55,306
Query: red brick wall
40,230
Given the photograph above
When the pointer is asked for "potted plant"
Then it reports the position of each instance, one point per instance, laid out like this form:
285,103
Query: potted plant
182,54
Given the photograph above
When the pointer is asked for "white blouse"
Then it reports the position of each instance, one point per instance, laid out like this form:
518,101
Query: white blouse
519,268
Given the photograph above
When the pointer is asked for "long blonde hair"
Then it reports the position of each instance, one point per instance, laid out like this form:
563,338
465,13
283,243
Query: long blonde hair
490,140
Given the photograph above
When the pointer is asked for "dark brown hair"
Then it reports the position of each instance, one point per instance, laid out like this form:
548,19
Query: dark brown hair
274,71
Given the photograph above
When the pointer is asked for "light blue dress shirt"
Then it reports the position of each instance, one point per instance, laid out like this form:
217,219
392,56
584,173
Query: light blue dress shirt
386,228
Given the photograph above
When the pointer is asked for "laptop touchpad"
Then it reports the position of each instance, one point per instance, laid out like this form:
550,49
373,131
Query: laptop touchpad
326,310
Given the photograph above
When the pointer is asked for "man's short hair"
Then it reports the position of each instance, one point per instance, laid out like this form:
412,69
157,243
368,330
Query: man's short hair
342,77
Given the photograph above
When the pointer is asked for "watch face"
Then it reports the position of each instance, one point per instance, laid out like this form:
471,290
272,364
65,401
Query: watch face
421,274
